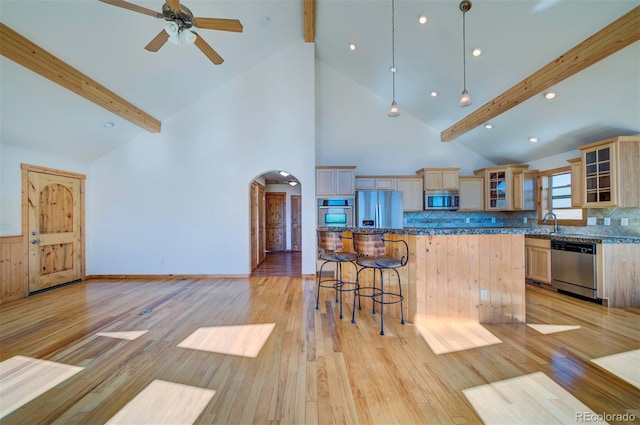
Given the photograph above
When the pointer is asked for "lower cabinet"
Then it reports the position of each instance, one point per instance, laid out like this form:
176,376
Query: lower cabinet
538,260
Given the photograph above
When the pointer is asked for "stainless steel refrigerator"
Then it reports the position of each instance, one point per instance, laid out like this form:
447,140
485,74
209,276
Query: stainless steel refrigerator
379,209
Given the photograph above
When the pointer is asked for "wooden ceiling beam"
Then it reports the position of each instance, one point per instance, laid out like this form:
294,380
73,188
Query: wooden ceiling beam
612,38
309,20
17,48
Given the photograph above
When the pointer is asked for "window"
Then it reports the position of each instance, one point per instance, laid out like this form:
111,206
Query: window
555,196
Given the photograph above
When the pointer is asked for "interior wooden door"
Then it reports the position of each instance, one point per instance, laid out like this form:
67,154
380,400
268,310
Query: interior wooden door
275,203
257,225
296,228
54,230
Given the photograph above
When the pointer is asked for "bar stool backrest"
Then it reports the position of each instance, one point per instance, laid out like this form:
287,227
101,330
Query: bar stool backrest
330,241
370,245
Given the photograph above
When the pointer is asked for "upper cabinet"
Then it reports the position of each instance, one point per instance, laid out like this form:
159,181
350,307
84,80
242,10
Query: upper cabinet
577,182
499,186
439,178
611,172
410,186
524,190
335,181
471,193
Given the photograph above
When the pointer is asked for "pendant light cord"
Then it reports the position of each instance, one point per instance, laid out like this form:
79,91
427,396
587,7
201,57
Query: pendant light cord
464,49
393,47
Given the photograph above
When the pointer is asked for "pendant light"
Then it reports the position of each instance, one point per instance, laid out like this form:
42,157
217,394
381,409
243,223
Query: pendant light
465,98
393,111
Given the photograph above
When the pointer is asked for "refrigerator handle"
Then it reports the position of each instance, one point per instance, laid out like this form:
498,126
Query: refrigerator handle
378,215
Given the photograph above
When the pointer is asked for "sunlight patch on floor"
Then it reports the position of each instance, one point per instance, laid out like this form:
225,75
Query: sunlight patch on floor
550,329
130,335
242,340
163,402
624,365
22,379
528,399
446,337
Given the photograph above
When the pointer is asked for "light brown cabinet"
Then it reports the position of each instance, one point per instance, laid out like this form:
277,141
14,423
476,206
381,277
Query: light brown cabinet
471,193
412,194
410,186
611,172
439,178
335,181
577,182
499,185
524,190
538,260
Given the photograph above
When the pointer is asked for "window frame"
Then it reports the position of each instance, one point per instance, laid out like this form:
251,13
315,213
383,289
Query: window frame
544,198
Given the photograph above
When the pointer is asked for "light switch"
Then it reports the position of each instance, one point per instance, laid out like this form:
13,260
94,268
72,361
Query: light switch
591,221
607,221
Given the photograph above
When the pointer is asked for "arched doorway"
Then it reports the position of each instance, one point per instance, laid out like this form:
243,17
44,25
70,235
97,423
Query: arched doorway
276,228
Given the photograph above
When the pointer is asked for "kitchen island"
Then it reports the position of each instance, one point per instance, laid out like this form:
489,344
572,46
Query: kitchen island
459,274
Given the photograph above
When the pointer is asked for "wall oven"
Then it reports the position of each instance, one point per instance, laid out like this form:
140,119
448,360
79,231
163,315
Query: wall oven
335,212
448,200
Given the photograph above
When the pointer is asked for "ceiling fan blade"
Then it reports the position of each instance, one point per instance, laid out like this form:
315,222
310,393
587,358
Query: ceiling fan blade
173,5
130,6
218,24
157,42
208,50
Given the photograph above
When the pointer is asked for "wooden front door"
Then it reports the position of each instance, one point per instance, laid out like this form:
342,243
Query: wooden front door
275,203
296,227
55,215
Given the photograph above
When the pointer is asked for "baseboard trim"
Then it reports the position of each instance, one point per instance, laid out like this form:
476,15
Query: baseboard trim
164,276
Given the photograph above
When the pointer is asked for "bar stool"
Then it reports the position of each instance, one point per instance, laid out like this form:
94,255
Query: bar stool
331,251
372,254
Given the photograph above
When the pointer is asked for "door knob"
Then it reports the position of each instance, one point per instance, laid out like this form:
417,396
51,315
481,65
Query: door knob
34,241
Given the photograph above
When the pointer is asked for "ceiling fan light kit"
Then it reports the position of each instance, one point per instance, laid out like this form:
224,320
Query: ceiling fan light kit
177,28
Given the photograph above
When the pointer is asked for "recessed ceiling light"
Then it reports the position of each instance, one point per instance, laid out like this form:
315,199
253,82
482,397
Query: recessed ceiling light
549,95
352,47
533,139
488,125
434,94
108,124
476,52
422,19
393,69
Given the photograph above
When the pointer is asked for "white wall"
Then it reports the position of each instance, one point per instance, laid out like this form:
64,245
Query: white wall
554,161
178,201
11,184
352,128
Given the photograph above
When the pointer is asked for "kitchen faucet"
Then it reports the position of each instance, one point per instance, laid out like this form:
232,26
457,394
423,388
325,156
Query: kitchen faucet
556,229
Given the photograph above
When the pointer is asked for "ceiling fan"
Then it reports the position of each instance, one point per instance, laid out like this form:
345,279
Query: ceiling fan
179,21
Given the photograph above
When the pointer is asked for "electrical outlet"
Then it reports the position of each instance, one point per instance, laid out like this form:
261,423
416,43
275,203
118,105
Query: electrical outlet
524,220
607,221
467,220
484,294
591,221
624,221
493,220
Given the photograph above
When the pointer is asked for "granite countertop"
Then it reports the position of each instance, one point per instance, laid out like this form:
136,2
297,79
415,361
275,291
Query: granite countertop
527,231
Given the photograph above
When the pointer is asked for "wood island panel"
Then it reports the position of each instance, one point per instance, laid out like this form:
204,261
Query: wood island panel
451,271
446,273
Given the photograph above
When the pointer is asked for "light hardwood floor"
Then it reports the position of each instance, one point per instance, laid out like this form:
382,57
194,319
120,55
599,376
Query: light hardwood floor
298,365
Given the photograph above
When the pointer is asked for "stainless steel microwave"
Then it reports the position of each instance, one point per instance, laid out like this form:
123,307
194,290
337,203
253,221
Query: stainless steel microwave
448,200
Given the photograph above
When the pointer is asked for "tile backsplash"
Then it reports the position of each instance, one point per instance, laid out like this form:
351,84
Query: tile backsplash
444,219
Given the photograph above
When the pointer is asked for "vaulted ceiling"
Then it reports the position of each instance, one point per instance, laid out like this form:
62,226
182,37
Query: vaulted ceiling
518,38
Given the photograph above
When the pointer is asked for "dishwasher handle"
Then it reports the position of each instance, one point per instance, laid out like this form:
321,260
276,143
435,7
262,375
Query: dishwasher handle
582,248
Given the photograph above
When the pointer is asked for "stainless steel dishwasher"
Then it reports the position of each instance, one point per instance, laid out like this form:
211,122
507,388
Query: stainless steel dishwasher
573,268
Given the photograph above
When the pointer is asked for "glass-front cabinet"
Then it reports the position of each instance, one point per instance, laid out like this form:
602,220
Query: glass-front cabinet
499,186
597,163
497,190
611,172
